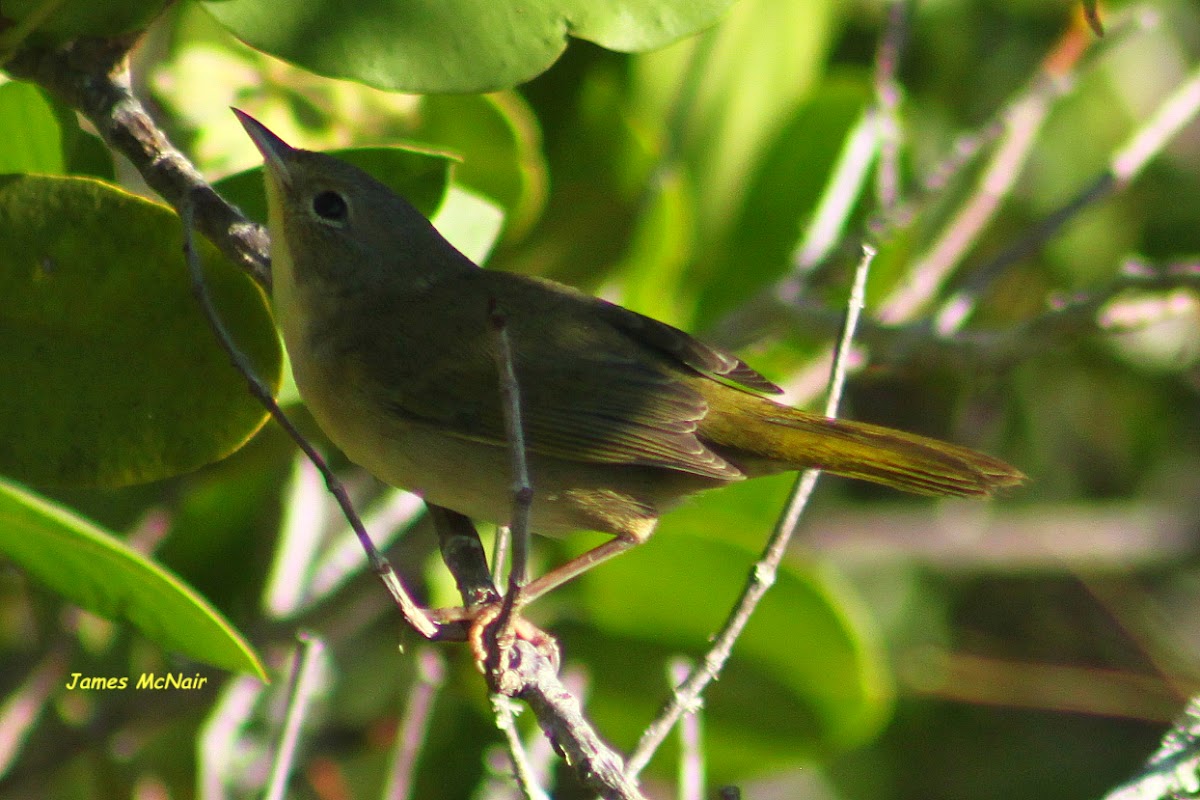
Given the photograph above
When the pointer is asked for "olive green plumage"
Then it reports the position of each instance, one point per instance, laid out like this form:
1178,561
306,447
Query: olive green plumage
387,328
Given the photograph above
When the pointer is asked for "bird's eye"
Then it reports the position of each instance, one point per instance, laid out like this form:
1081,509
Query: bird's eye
330,206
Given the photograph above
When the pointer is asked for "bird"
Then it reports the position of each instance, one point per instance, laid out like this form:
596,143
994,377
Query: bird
388,330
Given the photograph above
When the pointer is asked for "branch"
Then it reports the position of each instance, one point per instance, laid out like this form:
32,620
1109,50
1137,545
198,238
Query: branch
898,346
305,682
562,720
92,76
413,614
762,577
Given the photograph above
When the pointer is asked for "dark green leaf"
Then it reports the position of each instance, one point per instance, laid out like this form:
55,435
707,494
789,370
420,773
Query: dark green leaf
68,19
112,375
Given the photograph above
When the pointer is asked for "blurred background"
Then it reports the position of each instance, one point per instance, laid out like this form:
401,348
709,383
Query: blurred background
1027,300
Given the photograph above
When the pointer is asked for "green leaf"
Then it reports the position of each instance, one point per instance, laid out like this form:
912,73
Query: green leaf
419,175
430,46
807,674
501,148
60,20
749,74
780,196
43,136
96,571
654,270
31,134
114,376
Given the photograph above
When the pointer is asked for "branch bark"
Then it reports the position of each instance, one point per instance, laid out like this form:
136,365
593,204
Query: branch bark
92,76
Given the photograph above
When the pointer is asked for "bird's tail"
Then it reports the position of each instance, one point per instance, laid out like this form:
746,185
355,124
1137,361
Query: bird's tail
768,437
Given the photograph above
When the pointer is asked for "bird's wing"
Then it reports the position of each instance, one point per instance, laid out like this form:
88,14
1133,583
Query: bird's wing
597,382
685,348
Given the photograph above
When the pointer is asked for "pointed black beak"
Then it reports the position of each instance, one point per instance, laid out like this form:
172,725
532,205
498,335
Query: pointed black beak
274,150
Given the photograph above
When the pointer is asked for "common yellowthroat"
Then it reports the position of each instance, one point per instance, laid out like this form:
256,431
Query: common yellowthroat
387,327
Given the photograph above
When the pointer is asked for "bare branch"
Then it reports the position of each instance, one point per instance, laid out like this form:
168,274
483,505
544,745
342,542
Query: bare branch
762,577
510,402
691,738
887,104
562,720
413,613
92,76
522,770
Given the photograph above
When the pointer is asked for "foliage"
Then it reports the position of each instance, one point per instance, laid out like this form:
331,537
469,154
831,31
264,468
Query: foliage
682,172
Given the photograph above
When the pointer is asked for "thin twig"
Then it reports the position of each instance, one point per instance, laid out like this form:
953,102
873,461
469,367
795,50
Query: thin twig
522,490
1072,58
510,403
691,739
762,577
389,515
1067,319
522,771
431,673
413,614
766,314
501,547
929,273
92,76
305,683
1172,115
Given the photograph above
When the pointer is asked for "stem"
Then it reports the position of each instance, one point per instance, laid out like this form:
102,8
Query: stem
762,577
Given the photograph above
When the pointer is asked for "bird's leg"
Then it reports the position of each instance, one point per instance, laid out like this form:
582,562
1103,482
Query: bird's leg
464,555
583,562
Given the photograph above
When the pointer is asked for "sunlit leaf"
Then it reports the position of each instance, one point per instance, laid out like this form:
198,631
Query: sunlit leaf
31,134
93,569
452,46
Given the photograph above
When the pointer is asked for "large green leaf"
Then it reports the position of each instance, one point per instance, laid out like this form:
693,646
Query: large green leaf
111,373
96,571
42,135
430,46
500,143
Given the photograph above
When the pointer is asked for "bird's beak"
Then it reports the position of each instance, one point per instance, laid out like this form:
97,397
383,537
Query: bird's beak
275,151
